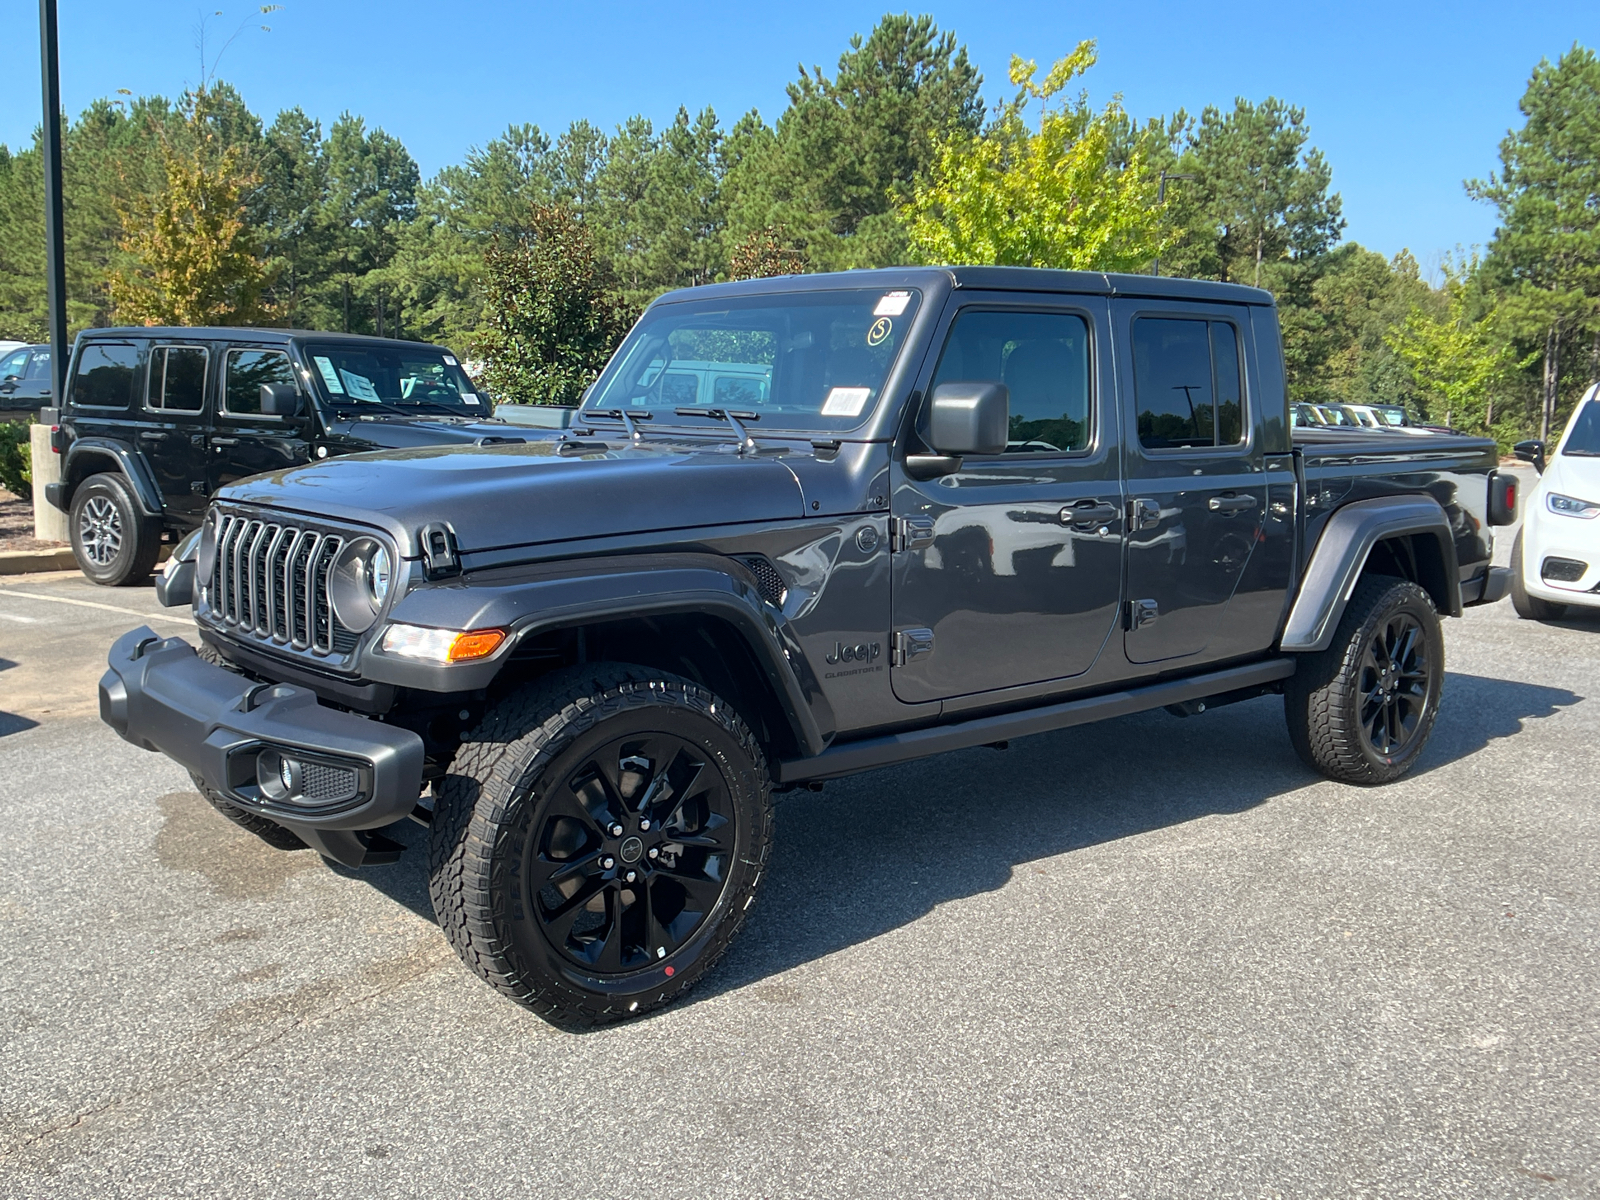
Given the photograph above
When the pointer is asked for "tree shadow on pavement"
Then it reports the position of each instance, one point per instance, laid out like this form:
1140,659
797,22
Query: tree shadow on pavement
878,851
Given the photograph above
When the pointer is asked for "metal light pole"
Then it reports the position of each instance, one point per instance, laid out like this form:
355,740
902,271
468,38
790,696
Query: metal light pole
1161,198
55,269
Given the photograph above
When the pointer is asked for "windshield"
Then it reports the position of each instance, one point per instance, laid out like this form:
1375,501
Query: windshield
811,361
1584,440
423,379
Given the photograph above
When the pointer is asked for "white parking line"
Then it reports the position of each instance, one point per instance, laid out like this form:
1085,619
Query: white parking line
5,616
131,612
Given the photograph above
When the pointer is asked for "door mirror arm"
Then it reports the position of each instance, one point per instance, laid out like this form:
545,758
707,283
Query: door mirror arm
923,467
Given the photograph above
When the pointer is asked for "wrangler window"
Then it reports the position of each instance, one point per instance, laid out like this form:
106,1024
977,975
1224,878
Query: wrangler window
1187,383
177,378
104,378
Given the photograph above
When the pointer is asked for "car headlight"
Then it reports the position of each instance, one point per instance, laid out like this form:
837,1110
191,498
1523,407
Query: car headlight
363,577
1571,506
441,645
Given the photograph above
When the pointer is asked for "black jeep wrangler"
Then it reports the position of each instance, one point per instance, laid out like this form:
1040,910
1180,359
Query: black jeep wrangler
156,420
803,527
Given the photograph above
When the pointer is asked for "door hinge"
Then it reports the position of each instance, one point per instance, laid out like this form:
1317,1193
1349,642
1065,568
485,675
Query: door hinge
910,644
910,533
1141,613
1143,514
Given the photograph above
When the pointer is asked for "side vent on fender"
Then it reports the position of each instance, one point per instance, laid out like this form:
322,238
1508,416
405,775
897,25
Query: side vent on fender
768,581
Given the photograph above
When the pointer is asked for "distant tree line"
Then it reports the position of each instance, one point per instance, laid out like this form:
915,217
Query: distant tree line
536,253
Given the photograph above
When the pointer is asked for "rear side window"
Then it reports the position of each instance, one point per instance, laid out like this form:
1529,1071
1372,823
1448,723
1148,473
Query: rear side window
1042,358
177,378
105,375
1187,383
39,365
247,371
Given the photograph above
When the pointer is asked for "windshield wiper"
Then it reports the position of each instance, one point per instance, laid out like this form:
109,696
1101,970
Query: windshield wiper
623,415
433,404
746,442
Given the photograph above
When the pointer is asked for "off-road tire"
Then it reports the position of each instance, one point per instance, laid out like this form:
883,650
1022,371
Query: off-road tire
505,786
1325,698
103,511
1529,608
270,832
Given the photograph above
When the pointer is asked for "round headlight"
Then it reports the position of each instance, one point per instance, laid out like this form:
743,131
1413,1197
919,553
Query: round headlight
380,573
363,576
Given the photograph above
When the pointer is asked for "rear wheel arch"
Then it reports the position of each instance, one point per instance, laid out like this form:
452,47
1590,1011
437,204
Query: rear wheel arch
1420,558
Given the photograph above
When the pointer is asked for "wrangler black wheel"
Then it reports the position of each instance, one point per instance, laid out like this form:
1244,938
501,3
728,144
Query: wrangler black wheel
599,840
1362,710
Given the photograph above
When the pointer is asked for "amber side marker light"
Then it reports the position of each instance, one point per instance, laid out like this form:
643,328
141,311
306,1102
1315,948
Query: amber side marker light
441,645
476,643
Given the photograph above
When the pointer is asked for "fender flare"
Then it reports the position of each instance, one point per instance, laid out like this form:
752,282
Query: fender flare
540,598
1341,554
145,492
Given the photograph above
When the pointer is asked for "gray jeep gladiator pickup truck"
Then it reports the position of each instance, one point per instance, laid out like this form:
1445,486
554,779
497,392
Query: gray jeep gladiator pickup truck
802,527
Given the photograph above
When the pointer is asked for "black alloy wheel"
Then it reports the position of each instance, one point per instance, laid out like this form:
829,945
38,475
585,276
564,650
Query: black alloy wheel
598,841
1394,682
630,854
1362,710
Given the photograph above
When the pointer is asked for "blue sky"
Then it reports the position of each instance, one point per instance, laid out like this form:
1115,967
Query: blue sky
1405,100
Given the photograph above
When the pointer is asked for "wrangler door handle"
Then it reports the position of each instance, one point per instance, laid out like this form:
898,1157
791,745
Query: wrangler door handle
152,435
1228,505
1089,512
216,441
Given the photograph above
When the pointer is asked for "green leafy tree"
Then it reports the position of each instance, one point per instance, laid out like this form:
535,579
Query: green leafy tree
1546,252
195,257
554,313
372,195
763,254
1052,198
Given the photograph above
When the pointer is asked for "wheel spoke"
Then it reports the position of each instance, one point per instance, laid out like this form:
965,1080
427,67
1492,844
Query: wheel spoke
553,872
610,957
560,921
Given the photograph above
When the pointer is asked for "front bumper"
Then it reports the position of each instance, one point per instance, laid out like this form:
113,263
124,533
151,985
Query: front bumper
159,695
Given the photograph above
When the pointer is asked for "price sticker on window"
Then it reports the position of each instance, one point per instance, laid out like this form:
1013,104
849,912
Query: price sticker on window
845,402
329,375
892,304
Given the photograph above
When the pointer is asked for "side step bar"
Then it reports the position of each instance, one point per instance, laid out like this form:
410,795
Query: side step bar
847,758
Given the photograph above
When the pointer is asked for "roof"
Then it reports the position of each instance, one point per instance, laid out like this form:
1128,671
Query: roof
998,279
253,333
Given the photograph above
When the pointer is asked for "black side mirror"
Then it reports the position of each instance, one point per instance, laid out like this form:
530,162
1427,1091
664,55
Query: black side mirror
1531,451
280,400
969,418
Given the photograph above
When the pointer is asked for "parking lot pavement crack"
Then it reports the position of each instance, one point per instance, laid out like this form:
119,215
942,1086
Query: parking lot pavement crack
392,976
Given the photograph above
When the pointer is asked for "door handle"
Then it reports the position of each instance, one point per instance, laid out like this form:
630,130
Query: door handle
152,435
220,441
1228,505
1088,512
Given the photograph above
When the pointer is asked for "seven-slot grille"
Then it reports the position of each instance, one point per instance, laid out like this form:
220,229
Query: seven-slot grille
271,581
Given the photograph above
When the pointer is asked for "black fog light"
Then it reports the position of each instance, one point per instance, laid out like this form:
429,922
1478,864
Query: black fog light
1562,570
277,775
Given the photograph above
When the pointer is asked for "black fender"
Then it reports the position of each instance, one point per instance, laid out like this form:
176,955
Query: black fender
1341,554
88,453
539,598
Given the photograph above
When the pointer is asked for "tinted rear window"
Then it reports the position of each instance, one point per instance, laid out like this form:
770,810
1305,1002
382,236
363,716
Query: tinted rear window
105,375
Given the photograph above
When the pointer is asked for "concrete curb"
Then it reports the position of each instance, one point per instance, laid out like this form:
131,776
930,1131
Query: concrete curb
25,562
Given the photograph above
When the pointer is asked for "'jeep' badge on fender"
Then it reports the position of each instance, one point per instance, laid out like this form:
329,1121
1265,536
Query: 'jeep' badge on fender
863,652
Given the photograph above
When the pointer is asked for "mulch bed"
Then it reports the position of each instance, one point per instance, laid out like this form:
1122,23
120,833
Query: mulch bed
16,525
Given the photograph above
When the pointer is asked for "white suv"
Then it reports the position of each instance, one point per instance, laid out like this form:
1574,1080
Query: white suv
1555,560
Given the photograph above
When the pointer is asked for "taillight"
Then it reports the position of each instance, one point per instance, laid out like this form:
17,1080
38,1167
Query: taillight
1502,498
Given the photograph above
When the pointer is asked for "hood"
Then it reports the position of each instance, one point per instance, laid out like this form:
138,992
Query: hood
402,434
1572,475
518,495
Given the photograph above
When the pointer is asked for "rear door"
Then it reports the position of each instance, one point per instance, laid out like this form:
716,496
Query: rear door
1196,476
1009,572
244,442
34,388
172,435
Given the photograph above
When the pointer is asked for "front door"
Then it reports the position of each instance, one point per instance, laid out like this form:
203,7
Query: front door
172,436
1008,572
245,442
1197,486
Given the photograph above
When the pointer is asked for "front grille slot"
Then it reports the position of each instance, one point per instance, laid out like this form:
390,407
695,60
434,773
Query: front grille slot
271,581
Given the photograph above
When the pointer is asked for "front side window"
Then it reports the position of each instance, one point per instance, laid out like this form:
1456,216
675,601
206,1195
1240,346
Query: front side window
1042,358
1187,383
247,371
404,379
105,375
12,366
177,379
804,361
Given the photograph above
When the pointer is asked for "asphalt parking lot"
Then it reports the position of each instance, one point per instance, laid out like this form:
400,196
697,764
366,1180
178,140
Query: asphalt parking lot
1148,958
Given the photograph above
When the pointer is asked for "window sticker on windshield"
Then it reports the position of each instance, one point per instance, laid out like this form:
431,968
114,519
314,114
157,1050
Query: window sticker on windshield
358,386
845,402
892,304
469,398
881,328
448,361
329,375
